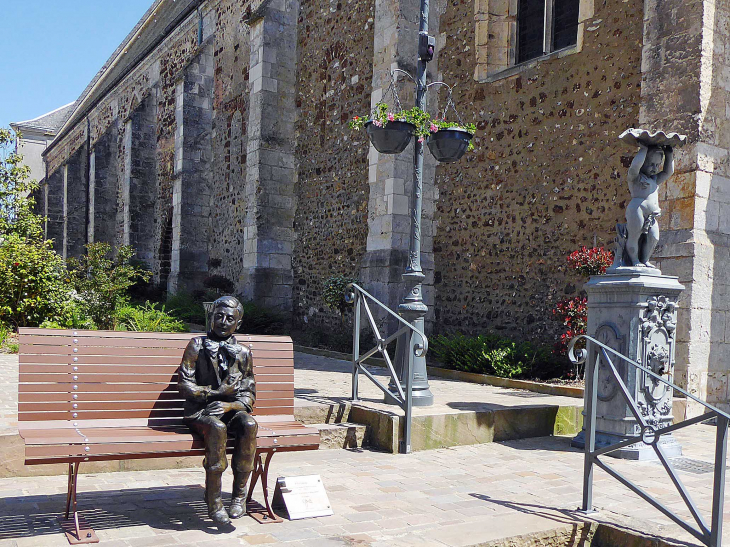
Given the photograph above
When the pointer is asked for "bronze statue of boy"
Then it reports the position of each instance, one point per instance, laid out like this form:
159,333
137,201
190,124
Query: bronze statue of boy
216,379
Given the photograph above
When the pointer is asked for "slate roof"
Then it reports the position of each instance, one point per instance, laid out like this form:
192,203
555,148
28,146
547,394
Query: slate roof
50,122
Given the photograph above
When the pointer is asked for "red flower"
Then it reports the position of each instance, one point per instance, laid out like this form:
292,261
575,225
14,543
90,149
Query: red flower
16,263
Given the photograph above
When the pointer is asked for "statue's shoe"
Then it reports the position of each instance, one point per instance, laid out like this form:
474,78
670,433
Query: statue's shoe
219,516
236,510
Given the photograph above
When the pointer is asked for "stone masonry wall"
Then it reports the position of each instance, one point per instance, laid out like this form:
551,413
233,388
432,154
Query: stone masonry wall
230,132
334,83
103,171
547,175
76,203
686,89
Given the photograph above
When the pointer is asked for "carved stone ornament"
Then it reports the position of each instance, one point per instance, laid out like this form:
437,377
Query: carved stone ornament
657,330
609,335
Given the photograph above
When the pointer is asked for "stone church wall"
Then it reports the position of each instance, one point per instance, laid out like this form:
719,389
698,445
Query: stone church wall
547,175
226,152
335,74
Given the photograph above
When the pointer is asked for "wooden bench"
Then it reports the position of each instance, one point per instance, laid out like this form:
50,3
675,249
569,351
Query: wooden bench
100,395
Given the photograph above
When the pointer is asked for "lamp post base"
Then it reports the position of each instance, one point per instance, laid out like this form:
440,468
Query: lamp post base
422,395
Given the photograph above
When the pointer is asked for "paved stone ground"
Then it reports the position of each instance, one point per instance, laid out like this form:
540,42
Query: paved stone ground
456,497
323,379
8,393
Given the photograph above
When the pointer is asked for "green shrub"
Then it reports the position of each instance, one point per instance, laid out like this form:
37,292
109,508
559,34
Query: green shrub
334,292
496,355
148,318
186,308
76,319
102,282
34,282
260,320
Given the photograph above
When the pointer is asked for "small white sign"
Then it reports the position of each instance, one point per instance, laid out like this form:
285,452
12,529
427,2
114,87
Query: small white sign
302,497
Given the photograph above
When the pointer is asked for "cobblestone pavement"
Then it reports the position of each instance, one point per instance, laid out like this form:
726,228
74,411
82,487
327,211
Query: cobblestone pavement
457,497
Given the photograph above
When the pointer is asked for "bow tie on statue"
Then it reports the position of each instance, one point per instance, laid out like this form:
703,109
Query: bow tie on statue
221,352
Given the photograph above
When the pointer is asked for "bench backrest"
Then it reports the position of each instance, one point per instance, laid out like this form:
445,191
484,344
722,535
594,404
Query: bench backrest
107,375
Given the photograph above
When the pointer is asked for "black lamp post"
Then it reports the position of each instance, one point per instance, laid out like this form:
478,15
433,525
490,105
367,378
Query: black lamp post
412,308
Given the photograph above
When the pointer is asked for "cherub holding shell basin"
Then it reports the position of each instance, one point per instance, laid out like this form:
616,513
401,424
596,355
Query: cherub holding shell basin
652,166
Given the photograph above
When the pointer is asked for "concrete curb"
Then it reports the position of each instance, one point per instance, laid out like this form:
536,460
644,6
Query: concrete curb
471,377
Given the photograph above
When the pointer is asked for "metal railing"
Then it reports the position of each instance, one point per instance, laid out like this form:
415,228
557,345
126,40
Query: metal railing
650,435
403,397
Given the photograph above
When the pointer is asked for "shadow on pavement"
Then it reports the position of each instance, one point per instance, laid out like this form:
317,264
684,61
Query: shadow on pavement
175,508
573,516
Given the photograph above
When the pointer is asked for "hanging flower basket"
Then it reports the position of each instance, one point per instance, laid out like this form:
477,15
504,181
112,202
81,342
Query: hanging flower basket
390,138
449,144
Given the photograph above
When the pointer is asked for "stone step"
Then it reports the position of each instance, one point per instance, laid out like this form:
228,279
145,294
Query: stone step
325,412
340,435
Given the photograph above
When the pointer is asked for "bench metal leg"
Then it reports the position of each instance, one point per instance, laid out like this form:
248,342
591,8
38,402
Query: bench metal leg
76,529
261,514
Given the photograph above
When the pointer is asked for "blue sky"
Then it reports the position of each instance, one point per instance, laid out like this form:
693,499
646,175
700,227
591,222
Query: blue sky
53,48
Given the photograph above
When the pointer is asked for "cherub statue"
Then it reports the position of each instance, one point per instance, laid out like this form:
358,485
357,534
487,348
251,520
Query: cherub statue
644,179
652,166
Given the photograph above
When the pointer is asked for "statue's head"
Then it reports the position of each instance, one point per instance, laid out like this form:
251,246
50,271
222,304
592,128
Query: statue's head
653,162
226,317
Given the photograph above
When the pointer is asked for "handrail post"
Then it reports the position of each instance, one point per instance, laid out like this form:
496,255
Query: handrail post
355,344
406,449
718,488
589,409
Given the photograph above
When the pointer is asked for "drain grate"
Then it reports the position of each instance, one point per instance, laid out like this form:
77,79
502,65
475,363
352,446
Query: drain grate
698,467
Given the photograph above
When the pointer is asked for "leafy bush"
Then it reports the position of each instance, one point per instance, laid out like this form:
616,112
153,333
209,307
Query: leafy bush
186,308
34,283
16,193
102,283
587,262
32,276
256,319
148,318
260,320
334,292
6,345
573,313
492,354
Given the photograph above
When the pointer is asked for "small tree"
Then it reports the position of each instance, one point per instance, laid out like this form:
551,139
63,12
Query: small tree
102,282
33,280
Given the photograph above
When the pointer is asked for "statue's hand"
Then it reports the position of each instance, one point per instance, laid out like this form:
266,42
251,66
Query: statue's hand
229,388
216,408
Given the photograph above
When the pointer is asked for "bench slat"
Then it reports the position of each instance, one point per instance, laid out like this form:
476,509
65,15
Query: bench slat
43,344
180,442
131,386
146,435
39,397
177,402
132,413
133,334
269,358
45,354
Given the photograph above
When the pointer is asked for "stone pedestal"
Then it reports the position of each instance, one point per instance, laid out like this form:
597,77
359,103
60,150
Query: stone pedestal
633,311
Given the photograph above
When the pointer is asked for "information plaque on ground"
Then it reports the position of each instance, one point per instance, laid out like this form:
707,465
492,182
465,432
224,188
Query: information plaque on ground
302,497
